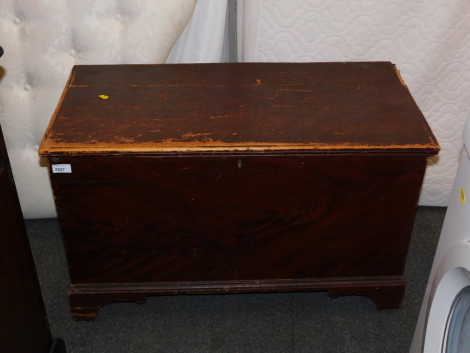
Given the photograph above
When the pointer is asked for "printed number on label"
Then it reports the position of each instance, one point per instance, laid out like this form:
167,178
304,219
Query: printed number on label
61,168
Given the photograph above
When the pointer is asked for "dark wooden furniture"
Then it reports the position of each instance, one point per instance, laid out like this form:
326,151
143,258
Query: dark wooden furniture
210,178
23,320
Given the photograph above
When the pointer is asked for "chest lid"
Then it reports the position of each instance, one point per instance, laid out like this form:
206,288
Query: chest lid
237,108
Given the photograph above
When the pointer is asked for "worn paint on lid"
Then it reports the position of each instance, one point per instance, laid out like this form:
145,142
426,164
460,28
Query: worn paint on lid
238,107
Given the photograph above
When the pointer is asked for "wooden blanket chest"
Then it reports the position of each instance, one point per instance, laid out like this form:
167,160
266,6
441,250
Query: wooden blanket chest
243,177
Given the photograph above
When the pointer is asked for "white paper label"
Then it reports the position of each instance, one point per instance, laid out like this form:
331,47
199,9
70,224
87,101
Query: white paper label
61,168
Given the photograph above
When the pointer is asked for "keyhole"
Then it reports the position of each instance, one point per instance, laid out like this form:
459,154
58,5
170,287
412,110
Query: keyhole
239,163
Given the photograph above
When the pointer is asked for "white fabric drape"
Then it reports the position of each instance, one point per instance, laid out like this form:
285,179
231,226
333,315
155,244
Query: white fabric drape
429,41
248,23
205,38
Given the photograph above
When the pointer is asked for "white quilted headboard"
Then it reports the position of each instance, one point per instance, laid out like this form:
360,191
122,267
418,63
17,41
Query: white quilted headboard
429,41
43,39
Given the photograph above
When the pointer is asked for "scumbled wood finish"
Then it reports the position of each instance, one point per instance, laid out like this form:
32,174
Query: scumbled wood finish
211,178
237,107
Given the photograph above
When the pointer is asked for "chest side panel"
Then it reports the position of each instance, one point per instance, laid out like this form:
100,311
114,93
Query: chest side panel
176,219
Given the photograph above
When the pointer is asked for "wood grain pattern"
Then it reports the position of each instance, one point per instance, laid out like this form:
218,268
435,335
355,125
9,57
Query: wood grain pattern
214,178
180,219
237,107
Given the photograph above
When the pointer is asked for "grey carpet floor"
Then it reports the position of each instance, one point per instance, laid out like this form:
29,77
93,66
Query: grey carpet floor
273,322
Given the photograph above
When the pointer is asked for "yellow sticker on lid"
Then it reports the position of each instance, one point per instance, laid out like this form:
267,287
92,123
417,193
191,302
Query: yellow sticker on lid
462,196
103,96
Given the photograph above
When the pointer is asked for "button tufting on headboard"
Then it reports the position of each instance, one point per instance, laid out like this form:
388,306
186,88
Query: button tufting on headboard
44,39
